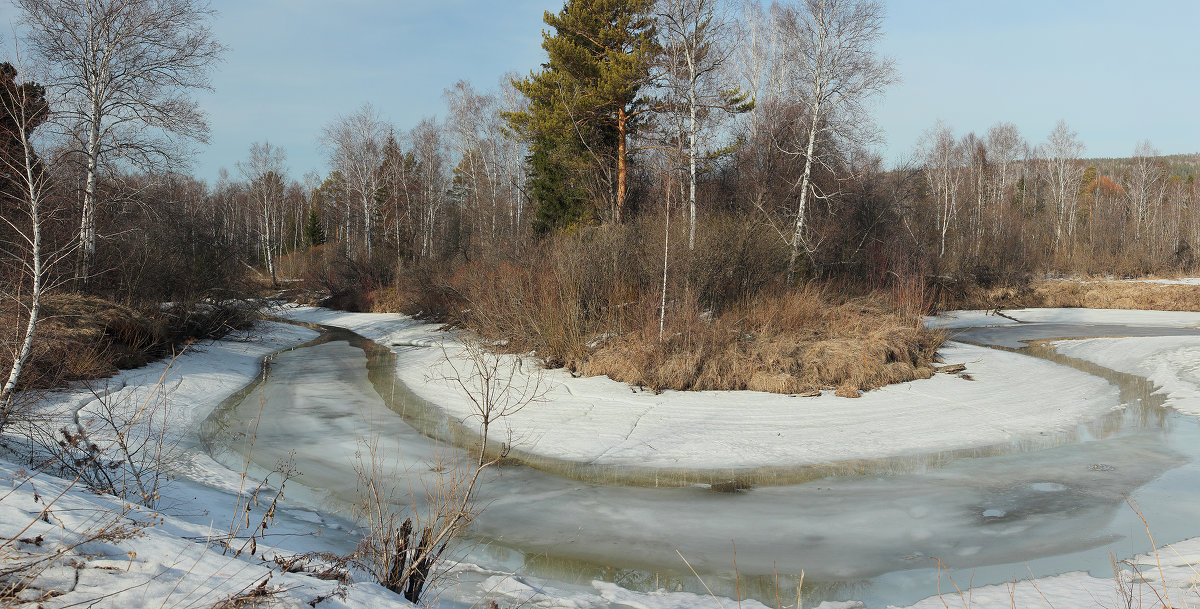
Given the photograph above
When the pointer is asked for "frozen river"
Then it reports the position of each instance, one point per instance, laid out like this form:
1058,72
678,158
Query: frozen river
867,530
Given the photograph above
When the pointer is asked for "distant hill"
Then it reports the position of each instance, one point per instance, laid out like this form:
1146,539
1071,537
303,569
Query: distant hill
1181,165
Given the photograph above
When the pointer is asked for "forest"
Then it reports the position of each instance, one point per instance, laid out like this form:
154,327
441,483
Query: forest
685,195
852,365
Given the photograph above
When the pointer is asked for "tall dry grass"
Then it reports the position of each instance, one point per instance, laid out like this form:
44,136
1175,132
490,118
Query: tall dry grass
784,341
591,302
86,337
1088,293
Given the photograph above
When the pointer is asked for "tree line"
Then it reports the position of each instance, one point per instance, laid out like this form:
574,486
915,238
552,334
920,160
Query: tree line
717,129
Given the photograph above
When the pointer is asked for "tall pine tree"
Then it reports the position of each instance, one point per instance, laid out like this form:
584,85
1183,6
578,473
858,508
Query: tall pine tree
586,103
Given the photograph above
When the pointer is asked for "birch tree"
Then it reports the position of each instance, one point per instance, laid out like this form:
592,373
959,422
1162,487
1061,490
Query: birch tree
1004,148
263,172
694,35
943,159
1064,175
23,186
121,74
428,148
478,154
757,65
513,152
355,144
1145,184
834,70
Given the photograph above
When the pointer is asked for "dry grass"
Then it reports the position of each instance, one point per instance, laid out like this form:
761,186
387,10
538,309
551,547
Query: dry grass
785,342
85,337
1098,294
591,302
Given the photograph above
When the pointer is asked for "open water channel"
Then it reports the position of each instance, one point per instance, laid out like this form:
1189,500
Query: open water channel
871,531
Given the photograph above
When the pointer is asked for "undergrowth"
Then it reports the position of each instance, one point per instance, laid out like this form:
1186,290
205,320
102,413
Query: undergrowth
592,301
85,337
1098,293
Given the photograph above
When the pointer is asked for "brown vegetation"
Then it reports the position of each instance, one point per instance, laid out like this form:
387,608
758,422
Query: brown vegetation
785,342
1093,294
85,337
729,323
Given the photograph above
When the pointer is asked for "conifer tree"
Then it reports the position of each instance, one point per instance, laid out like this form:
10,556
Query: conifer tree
587,102
314,233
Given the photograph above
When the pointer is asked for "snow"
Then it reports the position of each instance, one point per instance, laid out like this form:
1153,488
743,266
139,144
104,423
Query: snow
968,319
602,422
102,550
1163,281
1165,578
1180,281
101,547
531,592
1112,317
1170,362
86,548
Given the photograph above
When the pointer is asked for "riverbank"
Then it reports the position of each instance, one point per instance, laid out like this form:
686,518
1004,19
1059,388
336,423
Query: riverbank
203,500
598,421
63,544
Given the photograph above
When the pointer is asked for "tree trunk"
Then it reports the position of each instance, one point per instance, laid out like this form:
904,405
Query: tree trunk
35,295
804,181
622,165
367,212
87,224
691,61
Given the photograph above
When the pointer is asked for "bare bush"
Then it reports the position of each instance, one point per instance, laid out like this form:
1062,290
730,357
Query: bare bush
120,444
38,546
402,544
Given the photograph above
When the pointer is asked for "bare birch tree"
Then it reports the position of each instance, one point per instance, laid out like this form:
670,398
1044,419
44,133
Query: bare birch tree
1005,147
263,172
943,160
1064,172
428,148
121,71
694,36
356,143
513,152
834,69
23,108
1145,184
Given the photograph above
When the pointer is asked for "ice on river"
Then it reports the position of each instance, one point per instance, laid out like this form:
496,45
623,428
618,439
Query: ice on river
1170,362
1009,398
854,536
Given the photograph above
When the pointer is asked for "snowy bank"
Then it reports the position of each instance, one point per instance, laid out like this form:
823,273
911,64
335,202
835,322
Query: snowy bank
1165,578
1109,317
1170,362
84,549
69,546
1009,398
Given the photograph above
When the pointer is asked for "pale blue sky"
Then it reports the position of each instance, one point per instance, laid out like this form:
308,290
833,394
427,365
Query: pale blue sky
1118,72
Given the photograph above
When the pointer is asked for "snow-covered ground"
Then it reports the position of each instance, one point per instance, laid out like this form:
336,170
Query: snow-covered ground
1166,578
593,420
1170,362
1180,281
1107,317
598,421
99,550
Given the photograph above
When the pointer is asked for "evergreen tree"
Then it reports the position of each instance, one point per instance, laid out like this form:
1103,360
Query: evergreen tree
587,102
333,200
561,202
314,233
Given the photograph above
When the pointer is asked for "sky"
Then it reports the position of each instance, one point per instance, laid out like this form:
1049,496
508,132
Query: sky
1117,72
